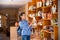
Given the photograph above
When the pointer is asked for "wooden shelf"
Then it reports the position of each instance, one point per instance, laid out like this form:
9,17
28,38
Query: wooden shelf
34,2
55,32
38,18
55,15
46,9
47,31
32,10
29,4
38,0
30,19
46,21
39,8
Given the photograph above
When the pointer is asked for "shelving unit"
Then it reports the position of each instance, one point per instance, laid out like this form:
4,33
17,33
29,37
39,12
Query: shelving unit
41,11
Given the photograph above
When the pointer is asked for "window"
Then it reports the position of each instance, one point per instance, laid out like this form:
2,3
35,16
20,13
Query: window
0,20
0,16
0,25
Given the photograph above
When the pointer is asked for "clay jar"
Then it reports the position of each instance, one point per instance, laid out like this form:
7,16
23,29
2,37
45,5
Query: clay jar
53,9
47,3
39,4
44,2
44,15
49,16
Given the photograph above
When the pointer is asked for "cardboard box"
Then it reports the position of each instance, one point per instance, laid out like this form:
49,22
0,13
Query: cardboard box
13,33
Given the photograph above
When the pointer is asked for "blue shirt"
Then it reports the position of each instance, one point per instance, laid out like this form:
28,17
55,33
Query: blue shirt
26,30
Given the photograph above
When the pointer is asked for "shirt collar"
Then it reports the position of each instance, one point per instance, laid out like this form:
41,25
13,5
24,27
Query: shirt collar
23,20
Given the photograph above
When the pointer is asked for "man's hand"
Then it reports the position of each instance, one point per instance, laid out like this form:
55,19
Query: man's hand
16,24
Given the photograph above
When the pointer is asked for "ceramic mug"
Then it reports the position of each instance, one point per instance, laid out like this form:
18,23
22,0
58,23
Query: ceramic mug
44,2
33,7
29,15
53,9
49,15
44,15
34,24
40,4
51,2
39,13
40,23
47,3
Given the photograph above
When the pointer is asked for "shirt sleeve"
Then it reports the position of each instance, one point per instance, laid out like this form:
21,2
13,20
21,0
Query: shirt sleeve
30,27
20,24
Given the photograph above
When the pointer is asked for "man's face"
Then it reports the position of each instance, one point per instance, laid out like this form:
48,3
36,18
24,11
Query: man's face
23,16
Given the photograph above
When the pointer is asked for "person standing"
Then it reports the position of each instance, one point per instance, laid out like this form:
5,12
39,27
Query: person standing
24,25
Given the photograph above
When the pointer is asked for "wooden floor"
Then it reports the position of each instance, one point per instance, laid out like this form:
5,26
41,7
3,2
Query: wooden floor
33,37
3,37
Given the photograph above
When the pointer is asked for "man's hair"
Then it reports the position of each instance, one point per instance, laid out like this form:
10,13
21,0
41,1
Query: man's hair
21,14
